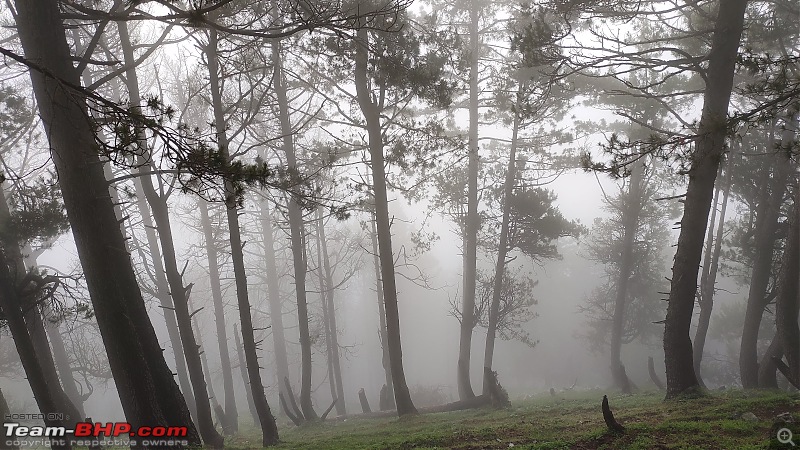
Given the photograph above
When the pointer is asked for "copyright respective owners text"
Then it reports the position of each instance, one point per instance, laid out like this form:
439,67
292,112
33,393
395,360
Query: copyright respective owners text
36,443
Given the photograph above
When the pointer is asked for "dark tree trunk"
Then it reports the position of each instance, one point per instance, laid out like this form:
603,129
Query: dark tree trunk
296,231
64,368
362,397
767,376
245,378
465,390
371,113
50,399
765,229
32,319
651,369
178,292
333,331
387,368
709,278
162,293
705,161
275,303
608,417
146,387
500,266
230,421
266,420
230,424
630,222
5,414
180,297
787,305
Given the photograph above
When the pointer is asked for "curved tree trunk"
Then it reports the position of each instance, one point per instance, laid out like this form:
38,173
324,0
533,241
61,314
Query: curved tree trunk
765,229
705,161
269,429
178,292
368,107
630,217
709,278
145,384
500,266
162,294
297,237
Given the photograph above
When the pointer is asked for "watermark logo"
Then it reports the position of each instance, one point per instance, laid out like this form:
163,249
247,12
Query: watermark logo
785,436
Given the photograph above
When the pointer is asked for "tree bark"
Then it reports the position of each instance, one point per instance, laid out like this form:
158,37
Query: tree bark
162,294
465,390
180,300
230,422
147,389
50,399
328,299
709,278
631,211
788,301
502,252
371,113
266,420
765,229
705,161
245,378
178,292
296,231
382,334
767,376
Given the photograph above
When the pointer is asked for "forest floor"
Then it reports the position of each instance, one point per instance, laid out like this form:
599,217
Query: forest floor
730,419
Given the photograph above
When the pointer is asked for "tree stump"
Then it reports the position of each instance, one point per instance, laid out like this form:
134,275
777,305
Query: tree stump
608,416
362,397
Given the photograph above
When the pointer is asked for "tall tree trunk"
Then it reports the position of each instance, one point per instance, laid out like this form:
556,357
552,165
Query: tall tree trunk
502,253
709,278
382,334
631,216
50,401
296,232
368,107
269,429
341,408
180,297
788,301
275,303
767,376
472,224
705,161
245,379
28,332
33,320
147,389
765,229
162,294
178,292
230,421
63,365
323,287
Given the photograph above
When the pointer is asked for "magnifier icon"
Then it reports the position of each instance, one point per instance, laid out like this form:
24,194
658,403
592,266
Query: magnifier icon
785,436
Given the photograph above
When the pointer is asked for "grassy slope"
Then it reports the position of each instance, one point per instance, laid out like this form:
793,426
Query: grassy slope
569,420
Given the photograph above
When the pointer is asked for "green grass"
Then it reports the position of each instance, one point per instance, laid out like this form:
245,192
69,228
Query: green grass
568,421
